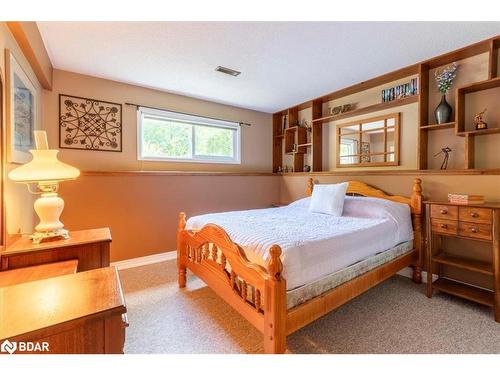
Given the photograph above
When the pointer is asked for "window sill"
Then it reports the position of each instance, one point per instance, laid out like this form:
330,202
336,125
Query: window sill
194,161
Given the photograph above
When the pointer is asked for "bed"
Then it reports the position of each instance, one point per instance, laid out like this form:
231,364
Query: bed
282,268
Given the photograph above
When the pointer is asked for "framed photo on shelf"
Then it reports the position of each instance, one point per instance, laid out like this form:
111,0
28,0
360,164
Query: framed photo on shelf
21,111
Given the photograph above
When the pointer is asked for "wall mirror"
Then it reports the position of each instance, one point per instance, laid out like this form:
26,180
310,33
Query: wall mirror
371,142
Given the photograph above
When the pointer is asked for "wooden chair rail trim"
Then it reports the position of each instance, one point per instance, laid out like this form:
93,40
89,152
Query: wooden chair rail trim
173,173
361,172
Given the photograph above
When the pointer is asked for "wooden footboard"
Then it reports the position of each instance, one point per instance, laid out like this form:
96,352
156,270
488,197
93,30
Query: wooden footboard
257,293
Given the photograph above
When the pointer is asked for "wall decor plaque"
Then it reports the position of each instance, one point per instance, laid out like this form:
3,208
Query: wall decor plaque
89,124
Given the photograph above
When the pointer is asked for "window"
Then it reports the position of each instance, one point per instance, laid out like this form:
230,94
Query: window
348,148
171,136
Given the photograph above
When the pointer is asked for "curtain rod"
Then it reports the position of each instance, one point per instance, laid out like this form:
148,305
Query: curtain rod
189,114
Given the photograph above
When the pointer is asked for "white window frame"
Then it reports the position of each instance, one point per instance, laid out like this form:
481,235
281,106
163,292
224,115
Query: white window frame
353,145
192,120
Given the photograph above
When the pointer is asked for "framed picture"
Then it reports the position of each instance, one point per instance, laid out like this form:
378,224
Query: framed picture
89,124
21,104
365,152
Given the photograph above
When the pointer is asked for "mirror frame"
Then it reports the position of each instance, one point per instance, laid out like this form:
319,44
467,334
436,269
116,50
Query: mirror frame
395,116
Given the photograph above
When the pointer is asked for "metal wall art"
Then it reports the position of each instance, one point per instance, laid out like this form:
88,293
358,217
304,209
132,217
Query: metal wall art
89,124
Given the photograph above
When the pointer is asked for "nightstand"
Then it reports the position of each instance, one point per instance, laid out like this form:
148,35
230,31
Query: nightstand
90,247
479,224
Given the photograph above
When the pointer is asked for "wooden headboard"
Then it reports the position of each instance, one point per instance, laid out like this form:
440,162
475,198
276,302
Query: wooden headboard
415,203
365,190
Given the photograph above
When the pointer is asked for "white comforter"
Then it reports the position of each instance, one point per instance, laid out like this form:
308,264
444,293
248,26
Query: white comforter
315,245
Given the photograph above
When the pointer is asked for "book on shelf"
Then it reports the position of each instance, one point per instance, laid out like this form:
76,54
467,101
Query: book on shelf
465,198
401,91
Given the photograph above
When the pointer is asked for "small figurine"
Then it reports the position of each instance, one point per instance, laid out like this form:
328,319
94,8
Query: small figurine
280,170
478,120
446,151
307,168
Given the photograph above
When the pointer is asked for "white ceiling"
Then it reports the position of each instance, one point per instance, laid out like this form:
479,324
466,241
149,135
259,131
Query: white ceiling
282,63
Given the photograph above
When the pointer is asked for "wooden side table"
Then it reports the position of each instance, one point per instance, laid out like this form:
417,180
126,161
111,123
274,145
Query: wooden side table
90,247
478,223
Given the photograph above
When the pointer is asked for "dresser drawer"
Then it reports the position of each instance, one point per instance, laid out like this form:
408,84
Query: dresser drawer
441,211
475,215
444,226
474,230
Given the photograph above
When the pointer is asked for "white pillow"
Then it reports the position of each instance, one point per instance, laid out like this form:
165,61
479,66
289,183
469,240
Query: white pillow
328,199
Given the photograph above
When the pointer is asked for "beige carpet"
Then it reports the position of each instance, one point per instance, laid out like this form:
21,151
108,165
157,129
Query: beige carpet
394,317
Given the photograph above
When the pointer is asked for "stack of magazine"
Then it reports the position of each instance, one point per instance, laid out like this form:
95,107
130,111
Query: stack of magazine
465,198
400,91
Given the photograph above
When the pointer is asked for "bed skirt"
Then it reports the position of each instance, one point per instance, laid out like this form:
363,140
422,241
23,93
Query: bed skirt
306,292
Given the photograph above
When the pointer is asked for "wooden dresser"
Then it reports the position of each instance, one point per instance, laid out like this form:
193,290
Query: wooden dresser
90,247
479,226
80,313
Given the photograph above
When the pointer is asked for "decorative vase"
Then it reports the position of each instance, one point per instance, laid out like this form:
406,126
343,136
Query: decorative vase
443,111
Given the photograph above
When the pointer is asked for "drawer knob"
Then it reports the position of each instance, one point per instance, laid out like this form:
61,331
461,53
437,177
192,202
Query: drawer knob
444,226
474,214
474,230
444,211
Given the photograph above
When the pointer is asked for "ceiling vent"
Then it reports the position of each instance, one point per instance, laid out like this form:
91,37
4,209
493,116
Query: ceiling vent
225,70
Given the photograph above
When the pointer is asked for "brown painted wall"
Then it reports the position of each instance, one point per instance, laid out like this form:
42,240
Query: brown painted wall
435,186
142,210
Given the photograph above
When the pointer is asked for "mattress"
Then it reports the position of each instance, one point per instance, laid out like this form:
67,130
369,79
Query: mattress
306,292
315,245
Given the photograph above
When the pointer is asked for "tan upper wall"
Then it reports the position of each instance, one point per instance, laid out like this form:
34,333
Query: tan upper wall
256,150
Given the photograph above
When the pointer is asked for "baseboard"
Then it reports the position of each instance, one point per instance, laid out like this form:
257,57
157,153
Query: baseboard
143,261
408,272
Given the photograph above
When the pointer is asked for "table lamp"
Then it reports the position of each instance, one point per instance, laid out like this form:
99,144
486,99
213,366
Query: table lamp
42,175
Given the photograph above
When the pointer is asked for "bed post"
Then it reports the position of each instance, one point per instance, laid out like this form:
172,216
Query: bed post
310,186
181,251
275,305
417,217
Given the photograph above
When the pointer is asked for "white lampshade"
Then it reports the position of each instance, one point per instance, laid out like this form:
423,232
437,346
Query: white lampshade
44,167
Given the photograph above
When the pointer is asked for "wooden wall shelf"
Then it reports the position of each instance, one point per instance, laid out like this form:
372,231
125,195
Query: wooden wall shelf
447,125
479,132
369,109
421,71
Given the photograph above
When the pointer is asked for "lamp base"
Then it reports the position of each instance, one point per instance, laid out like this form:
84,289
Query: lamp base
38,237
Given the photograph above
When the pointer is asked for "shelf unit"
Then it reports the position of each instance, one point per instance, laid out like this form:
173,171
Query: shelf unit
489,46
425,127
368,109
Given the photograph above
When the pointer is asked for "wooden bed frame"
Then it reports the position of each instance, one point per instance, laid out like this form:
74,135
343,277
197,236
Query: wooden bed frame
259,294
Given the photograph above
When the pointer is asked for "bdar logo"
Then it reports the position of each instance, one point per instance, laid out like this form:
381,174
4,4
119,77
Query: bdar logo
9,347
